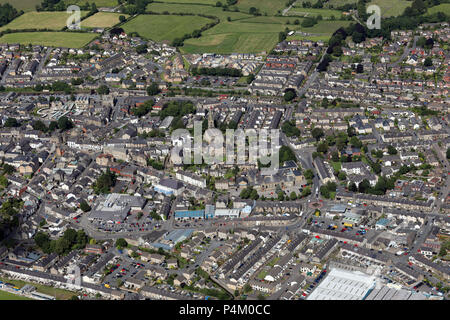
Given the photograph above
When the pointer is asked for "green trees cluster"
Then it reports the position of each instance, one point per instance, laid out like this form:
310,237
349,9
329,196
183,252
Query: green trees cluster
286,154
143,109
103,89
8,13
121,243
289,94
326,190
290,129
105,182
71,240
153,89
85,206
249,193
223,72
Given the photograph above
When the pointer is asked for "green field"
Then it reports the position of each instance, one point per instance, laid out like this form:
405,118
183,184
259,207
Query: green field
196,9
10,296
40,20
164,27
231,43
337,3
209,2
51,39
271,7
25,5
98,3
102,20
325,27
59,294
391,8
444,7
311,12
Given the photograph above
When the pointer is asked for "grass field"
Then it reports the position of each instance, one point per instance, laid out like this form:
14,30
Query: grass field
271,7
51,39
196,9
337,3
325,27
391,8
164,27
40,20
311,12
209,2
60,294
25,5
444,7
226,43
10,296
98,3
102,20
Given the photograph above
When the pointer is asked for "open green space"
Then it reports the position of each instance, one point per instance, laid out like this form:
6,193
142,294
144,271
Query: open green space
59,294
98,3
271,7
25,5
196,9
443,7
164,27
312,12
51,39
102,20
391,8
10,296
209,2
40,20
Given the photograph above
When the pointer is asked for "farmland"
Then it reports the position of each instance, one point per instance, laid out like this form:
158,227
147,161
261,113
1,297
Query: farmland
265,6
231,42
55,39
311,12
102,20
164,27
196,9
444,7
391,8
25,5
98,3
40,20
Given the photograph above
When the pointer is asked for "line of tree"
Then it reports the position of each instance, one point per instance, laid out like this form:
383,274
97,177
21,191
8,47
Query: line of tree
223,72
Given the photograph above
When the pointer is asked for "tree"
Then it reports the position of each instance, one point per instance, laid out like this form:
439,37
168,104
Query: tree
11,122
289,94
322,147
364,186
64,123
141,49
293,196
352,187
392,150
448,153
317,133
428,62
153,89
309,174
122,18
342,175
121,243
85,206
103,89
